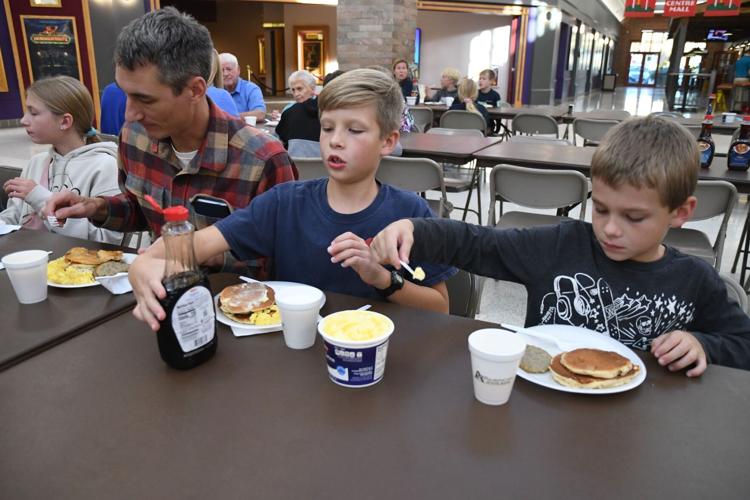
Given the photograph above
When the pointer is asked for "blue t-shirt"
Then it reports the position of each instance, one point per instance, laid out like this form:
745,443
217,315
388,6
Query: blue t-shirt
742,67
294,225
223,99
247,96
113,109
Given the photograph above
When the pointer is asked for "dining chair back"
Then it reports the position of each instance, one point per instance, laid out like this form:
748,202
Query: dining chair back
534,124
538,139
695,130
303,148
538,189
418,175
592,130
422,118
310,168
6,174
108,137
715,198
735,291
460,119
455,131
464,293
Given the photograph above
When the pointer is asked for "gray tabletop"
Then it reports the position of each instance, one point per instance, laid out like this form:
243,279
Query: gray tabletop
101,416
31,328
441,147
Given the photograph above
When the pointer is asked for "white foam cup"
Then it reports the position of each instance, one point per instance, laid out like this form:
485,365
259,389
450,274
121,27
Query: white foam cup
299,307
411,100
449,101
251,120
495,355
27,271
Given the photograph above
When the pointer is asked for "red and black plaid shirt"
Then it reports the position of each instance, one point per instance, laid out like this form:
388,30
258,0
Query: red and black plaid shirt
235,163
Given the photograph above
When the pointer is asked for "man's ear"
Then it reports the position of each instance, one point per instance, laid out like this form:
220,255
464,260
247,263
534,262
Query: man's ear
684,212
197,86
389,143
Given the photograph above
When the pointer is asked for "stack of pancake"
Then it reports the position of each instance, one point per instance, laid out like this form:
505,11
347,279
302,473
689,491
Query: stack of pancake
592,369
251,303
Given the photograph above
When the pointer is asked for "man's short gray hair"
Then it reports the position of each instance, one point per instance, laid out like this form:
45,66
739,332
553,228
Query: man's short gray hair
174,42
305,77
227,57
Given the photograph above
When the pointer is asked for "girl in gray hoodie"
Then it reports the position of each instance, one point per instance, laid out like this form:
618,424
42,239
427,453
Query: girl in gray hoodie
60,112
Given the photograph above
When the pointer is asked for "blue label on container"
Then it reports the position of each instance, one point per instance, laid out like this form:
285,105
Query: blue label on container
356,367
707,153
739,157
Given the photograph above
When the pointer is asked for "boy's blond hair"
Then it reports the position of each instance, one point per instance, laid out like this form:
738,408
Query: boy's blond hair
451,73
650,152
361,87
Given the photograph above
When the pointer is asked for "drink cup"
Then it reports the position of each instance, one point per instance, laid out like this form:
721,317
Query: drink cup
251,120
495,355
448,102
299,307
27,271
411,100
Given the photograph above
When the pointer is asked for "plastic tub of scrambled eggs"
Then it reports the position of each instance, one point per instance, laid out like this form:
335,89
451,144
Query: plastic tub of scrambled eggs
356,345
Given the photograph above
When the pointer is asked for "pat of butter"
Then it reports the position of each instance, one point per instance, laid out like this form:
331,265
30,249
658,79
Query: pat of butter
356,325
419,274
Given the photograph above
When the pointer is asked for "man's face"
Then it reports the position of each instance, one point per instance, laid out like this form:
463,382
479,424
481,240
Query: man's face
152,103
230,72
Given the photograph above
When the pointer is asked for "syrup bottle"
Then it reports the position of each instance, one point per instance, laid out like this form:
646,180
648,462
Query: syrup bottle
706,143
738,157
187,335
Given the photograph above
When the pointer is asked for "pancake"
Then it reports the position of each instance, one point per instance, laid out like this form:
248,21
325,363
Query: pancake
246,298
565,377
596,363
535,360
84,256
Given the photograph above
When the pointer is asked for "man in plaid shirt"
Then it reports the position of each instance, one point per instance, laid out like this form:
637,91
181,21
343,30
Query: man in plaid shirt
176,143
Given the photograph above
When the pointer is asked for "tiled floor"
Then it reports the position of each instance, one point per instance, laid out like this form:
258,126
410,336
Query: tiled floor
501,301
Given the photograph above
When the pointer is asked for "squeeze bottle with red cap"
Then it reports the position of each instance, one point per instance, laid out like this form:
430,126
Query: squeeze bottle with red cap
187,335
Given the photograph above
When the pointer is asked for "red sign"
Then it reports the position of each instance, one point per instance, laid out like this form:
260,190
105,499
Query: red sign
679,8
640,8
722,8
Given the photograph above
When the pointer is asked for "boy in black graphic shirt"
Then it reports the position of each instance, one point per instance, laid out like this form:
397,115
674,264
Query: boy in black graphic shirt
613,276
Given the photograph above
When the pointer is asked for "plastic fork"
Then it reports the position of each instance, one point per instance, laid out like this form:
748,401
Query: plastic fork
563,345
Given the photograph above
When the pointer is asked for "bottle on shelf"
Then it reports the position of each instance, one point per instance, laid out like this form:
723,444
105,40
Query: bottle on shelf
710,106
738,157
187,335
706,143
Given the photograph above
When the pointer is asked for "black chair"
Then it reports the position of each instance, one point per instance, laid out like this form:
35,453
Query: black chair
6,173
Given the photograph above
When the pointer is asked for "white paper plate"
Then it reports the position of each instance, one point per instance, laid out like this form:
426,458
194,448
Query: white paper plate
127,257
586,338
242,329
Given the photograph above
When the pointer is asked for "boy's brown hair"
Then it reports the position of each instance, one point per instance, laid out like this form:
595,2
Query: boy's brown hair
360,87
649,152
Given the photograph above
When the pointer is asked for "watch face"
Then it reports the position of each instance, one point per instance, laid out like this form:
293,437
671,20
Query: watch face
397,280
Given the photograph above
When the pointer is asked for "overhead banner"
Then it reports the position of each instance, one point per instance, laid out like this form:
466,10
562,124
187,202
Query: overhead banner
722,8
679,8
640,8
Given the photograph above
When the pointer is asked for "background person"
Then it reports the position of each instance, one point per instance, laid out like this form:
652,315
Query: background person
403,78
448,85
215,90
467,99
247,95
300,120
113,109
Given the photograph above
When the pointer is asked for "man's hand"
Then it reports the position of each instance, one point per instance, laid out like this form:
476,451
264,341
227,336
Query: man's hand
19,187
145,275
394,243
679,349
350,250
69,205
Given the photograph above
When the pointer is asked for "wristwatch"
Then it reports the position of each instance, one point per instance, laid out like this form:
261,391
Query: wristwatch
397,283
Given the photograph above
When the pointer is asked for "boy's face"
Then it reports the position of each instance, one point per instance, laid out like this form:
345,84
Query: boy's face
351,143
630,223
484,82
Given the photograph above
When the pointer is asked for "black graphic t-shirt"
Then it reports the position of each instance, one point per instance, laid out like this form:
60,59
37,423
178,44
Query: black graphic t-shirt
571,281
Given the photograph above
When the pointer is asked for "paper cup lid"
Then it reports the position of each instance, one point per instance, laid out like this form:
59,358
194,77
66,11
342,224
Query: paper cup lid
497,345
299,297
24,259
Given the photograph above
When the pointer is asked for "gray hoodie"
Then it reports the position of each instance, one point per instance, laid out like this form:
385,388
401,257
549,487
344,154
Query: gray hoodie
90,170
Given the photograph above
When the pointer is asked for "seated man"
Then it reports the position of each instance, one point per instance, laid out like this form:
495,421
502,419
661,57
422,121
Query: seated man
300,120
247,96
175,143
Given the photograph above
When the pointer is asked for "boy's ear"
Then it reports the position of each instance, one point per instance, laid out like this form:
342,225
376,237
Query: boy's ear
684,212
389,143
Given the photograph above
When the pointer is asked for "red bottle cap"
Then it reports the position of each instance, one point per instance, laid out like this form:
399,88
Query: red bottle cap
708,117
176,214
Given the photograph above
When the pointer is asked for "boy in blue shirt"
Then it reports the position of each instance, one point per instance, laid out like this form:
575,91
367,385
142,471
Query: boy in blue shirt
613,276
316,231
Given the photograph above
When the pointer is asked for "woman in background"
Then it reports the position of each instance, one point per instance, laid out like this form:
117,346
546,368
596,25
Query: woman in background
401,74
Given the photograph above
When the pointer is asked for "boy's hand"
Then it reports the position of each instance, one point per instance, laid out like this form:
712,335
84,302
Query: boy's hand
145,275
19,187
394,243
352,251
679,349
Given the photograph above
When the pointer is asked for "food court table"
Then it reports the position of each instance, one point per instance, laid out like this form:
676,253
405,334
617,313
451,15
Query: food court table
444,148
30,329
101,416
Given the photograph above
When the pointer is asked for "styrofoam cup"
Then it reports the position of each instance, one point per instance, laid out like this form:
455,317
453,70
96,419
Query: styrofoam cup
449,101
251,120
495,355
299,307
411,100
27,271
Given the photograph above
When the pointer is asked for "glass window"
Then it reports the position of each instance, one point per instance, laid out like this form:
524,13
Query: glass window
635,46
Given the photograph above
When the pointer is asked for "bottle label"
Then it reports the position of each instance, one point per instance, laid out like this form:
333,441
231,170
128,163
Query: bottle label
739,156
193,319
706,149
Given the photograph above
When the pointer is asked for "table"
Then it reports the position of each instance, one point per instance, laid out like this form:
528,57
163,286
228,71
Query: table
444,148
101,416
32,328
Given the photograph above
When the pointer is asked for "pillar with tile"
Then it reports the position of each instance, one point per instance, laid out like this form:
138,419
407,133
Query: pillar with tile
375,32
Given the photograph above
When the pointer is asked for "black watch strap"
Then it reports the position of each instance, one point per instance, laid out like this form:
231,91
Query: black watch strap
397,283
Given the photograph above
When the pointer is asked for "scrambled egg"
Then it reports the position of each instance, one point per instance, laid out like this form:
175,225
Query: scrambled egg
419,274
356,325
267,316
59,271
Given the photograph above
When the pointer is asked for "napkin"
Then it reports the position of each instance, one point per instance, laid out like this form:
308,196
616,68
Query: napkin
117,284
8,228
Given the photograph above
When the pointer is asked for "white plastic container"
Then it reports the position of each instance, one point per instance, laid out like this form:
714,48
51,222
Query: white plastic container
299,307
495,355
251,120
27,271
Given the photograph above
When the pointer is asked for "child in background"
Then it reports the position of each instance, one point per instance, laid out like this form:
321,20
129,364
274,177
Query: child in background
60,112
467,99
448,85
487,94
613,276
315,231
